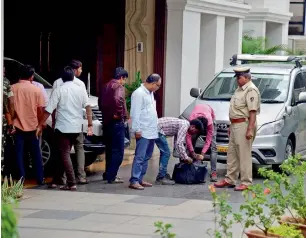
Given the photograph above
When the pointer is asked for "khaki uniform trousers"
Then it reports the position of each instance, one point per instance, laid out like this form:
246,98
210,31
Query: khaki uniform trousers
239,155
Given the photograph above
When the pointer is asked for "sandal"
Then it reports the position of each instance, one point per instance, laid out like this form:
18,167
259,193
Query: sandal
52,186
83,182
68,188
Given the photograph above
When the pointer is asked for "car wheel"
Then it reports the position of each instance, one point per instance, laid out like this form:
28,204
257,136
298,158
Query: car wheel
289,151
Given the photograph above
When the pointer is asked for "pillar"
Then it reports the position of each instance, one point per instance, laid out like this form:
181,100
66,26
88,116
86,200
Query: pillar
212,47
233,38
182,57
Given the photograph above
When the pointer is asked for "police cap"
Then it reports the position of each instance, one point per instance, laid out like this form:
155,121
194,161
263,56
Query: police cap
241,70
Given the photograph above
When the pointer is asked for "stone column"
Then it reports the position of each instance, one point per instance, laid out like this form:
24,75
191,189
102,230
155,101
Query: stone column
182,56
212,47
232,38
277,33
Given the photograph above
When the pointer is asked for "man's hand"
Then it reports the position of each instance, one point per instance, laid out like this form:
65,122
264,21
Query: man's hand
11,130
116,117
44,126
38,131
200,157
193,155
138,135
189,161
249,134
90,131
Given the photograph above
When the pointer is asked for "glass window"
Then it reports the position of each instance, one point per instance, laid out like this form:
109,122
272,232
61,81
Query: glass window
272,87
296,29
297,11
299,86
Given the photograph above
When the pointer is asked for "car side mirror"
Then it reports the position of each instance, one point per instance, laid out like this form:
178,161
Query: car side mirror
302,98
195,92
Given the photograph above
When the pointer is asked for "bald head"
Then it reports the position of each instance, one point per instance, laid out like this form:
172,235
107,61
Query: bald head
153,82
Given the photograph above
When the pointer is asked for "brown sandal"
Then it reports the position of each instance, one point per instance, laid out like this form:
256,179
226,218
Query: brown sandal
68,188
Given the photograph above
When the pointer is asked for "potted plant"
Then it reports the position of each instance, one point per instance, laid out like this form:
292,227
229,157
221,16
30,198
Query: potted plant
291,190
222,213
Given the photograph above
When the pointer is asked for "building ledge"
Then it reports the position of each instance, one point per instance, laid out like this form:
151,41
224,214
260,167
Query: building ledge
265,14
215,7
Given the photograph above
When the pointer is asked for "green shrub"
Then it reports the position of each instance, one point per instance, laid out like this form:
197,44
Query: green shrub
11,190
164,230
286,231
130,88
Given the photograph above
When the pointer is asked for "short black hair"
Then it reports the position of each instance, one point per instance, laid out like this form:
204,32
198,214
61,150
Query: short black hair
68,74
26,71
120,72
198,124
75,64
153,78
204,122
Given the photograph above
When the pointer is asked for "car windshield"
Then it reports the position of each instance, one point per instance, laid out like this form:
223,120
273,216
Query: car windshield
12,69
273,87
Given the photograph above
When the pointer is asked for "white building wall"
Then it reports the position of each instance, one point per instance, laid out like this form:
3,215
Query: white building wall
198,45
268,19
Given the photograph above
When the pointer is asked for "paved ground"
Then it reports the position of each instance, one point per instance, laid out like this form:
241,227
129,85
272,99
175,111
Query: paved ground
59,214
104,210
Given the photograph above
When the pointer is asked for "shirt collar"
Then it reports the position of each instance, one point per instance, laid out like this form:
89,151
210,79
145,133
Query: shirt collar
246,85
24,81
145,89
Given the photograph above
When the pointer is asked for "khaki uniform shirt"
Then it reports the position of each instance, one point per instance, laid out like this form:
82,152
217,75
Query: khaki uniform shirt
244,100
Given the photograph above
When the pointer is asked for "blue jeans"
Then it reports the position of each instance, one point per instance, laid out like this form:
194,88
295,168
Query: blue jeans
165,154
33,143
143,152
114,140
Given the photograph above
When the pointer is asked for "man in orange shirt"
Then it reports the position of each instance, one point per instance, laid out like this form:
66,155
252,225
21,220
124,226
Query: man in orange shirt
28,104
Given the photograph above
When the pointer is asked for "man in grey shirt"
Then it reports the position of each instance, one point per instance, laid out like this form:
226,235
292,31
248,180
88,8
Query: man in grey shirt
78,146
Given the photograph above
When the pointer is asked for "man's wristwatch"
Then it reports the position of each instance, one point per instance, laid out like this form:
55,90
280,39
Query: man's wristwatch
89,125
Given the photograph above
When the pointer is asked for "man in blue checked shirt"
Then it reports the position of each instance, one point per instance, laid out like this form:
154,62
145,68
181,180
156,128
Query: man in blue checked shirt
144,125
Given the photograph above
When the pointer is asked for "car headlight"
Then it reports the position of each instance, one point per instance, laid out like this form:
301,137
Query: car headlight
271,128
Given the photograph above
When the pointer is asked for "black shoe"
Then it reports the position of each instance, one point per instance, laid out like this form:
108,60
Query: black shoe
168,177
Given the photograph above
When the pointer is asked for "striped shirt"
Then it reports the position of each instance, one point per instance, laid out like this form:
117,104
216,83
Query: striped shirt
172,126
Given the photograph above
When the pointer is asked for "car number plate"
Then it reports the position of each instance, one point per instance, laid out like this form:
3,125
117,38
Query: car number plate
222,149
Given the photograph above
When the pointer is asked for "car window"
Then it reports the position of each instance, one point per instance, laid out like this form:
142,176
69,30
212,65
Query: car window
12,69
272,87
299,86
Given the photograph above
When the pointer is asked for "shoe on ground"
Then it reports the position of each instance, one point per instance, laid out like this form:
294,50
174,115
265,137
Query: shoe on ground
136,186
168,177
241,187
213,177
224,184
116,181
164,181
146,184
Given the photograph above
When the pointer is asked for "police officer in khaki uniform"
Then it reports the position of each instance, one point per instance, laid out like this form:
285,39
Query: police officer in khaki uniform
244,106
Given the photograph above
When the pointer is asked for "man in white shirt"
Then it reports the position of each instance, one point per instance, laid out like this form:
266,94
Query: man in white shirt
78,146
69,100
144,125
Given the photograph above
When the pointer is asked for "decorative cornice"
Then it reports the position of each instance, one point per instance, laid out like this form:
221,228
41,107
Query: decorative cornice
265,14
216,7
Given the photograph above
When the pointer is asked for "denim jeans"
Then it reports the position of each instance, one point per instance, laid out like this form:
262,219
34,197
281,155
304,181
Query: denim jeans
165,154
143,152
114,134
29,137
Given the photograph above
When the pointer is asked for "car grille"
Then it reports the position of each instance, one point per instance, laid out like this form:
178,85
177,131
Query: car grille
222,133
98,114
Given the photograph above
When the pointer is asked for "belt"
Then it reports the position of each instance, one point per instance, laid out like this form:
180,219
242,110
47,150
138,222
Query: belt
238,120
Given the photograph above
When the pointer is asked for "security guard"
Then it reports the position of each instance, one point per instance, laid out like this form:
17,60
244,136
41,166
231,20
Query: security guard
244,106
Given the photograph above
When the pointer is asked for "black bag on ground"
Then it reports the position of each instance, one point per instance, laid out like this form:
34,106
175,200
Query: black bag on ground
194,173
